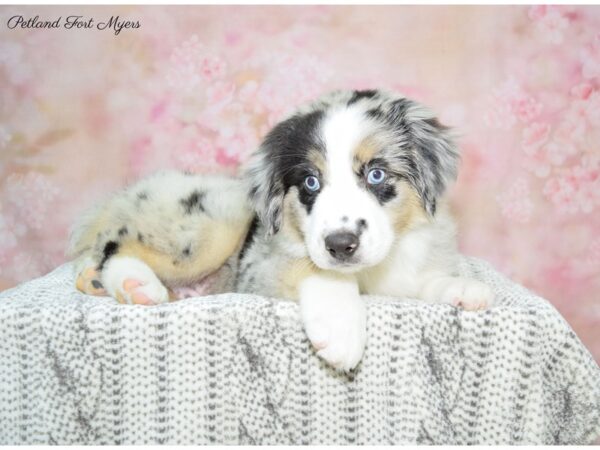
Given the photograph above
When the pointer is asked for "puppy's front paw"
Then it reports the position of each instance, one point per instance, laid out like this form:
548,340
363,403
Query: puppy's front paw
469,294
337,329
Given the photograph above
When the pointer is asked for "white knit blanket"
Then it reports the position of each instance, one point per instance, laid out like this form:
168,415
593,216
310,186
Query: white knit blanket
231,369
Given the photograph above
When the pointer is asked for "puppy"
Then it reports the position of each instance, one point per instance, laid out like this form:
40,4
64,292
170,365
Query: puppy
343,198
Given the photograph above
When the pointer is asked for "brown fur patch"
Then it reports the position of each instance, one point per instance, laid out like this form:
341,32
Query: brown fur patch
291,277
120,297
291,217
365,152
317,159
408,211
85,282
219,241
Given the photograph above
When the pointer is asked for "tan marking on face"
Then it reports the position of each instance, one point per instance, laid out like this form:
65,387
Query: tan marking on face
316,158
407,211
292,210
365,152
293,274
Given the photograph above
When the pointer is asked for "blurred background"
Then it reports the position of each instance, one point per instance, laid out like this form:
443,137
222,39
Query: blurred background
84,112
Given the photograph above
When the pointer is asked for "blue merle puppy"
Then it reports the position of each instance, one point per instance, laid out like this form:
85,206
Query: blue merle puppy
345,197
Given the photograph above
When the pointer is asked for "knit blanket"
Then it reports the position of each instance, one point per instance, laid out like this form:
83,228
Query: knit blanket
238,369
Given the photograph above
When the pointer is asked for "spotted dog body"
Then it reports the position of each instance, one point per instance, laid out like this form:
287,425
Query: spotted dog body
345,197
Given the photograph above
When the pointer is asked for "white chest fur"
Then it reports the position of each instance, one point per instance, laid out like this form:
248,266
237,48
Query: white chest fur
399,274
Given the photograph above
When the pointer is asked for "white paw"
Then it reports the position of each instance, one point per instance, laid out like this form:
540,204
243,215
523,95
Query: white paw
335,322
131,281
469,294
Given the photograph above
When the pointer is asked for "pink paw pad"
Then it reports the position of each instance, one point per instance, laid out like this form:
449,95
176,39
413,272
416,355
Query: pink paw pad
137,298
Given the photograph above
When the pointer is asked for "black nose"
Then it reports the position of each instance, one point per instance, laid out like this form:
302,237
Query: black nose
341,245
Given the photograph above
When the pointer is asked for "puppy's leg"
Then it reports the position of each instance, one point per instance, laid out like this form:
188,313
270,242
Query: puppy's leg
132,281
335,318
467,293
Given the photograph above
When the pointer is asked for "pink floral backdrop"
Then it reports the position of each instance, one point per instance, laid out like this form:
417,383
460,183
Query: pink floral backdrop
84,111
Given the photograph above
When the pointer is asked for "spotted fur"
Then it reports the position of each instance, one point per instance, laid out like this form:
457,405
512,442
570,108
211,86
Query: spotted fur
321,243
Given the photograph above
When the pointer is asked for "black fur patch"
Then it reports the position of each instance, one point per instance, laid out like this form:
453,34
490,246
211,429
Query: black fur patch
140,237
303,137
385,193
249,236
286,148
193,203
110,249
375,113
358,95
123,231
187,251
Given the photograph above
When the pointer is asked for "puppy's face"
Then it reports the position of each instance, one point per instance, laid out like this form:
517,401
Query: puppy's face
349,173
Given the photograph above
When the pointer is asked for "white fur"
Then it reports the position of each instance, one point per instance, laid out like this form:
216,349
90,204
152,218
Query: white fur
470,294
335,318
120,268
341,197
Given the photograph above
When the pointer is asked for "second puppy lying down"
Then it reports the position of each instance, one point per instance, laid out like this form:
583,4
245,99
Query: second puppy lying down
343,198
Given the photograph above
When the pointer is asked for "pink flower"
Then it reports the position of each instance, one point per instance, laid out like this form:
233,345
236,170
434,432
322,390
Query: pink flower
582,90
589,57
527,108
515,202
510,102
235,143
212,67
538,161
537,12
534,136
196,155
38,192
594,253
575,189
559,151
500,115
220,94
592,108
191,65
551,26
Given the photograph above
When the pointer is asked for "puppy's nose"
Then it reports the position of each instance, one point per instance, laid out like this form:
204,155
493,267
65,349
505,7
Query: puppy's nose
341,245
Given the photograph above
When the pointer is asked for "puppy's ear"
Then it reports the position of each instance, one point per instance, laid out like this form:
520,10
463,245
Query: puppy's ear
433,156
265,187
270,169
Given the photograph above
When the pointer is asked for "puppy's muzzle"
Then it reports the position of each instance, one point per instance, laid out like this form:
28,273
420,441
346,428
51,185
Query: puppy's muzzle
342,245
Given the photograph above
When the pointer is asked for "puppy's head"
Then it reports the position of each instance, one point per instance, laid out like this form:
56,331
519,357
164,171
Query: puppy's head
349,173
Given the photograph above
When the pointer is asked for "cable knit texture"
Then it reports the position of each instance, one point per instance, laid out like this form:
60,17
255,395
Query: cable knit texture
238,369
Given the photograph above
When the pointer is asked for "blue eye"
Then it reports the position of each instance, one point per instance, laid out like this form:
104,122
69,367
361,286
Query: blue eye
312,183
375,176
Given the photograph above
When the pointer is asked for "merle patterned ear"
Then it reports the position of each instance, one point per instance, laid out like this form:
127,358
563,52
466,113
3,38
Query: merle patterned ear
432,153
266,188
269,170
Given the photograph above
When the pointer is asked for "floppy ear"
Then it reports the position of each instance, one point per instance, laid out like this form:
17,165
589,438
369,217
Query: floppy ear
270,167
265,187
433,155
